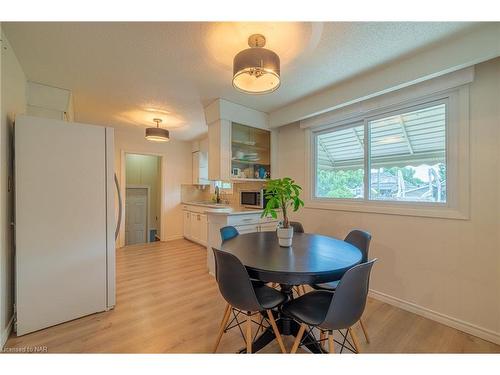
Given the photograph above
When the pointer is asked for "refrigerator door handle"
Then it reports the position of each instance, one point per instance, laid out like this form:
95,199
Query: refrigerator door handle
120,208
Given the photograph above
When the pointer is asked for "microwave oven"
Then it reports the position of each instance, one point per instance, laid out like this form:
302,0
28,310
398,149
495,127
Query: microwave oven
253,199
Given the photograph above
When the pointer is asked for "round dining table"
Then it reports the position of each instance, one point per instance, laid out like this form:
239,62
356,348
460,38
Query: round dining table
312,259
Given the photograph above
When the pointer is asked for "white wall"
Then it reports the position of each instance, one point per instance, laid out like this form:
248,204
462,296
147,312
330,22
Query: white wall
177,156
13,101
465,49
449,269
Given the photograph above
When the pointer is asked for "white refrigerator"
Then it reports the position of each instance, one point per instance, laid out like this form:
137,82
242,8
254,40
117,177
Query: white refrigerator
64,221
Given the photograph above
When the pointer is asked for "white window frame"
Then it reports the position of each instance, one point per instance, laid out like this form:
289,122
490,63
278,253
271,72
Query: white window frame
222,189
457,157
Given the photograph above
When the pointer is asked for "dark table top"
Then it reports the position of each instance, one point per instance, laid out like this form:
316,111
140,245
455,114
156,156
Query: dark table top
313,258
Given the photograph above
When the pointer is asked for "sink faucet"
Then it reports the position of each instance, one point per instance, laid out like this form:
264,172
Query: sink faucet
217,194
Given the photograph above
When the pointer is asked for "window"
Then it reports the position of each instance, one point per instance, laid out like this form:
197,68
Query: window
403,159
224,186
340,163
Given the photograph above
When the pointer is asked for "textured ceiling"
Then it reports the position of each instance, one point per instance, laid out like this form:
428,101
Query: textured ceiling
124,74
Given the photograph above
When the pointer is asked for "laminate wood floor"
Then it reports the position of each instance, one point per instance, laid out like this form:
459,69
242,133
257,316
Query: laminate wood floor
168,303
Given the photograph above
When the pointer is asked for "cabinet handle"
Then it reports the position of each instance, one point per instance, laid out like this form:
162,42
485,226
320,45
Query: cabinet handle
249,219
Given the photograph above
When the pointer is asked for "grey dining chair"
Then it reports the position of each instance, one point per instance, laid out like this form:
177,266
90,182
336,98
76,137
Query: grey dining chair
297,227
333,311
228,232
361,239
243,297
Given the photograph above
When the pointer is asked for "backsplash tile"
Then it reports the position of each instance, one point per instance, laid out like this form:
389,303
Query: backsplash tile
191,193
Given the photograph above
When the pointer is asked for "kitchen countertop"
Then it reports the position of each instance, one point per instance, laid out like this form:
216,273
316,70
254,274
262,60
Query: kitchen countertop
218,209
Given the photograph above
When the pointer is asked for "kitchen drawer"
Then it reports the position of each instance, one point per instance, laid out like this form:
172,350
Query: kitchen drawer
250,228
265,220
268,227
243,219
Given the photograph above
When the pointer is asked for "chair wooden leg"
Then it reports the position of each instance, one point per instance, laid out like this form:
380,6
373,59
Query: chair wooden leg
331,347
249,333
354,340
227,314
364,331
226,311
296,344
296,289
322,337
276,331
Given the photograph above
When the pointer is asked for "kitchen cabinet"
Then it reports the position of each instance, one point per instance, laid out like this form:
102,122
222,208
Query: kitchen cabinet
195,226
248,222
200,162
238,152
186,220
241,147
203,239
250,152
200,168
219,150
250,228
268,227
49,102
199,228
194,229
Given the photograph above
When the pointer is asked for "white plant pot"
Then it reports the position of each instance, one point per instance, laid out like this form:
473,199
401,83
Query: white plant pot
285,236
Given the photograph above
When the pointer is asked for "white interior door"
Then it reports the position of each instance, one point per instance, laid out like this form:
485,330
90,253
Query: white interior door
136,217
61,221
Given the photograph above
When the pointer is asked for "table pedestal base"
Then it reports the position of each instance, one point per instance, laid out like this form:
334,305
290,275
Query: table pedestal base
286,327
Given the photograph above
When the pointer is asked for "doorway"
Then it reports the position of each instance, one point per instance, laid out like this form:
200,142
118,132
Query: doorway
136,221
142,198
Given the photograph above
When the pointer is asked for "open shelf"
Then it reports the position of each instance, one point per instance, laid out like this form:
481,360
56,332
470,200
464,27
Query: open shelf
242,144
238,179
249,143
248,162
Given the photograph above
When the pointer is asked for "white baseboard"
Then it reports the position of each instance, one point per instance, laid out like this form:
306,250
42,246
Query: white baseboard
174,237
6,332
447,320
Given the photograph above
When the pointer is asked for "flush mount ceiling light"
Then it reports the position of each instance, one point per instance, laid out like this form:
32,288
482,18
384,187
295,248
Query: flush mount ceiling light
157,134
256,70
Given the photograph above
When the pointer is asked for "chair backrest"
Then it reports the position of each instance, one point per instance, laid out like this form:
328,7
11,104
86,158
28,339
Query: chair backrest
349,299
234,282
297,227
361,240
228,232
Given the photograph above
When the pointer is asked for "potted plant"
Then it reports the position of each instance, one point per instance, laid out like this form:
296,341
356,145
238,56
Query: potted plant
282,194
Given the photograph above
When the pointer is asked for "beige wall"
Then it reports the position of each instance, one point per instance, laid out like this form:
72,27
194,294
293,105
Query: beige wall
145,170
13,101
178,168
450,267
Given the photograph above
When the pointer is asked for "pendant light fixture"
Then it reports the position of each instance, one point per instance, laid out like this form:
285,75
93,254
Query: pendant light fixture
157,134
256,70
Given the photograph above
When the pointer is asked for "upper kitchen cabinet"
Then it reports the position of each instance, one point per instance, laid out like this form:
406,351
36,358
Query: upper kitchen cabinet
200,162
49,102
240,145
250,152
